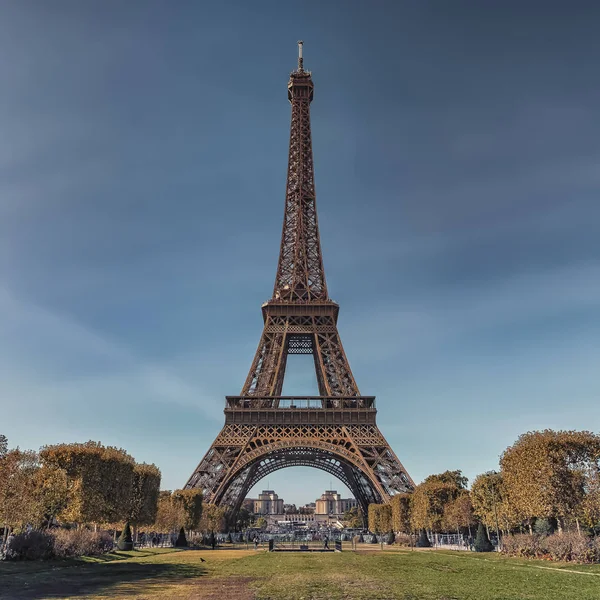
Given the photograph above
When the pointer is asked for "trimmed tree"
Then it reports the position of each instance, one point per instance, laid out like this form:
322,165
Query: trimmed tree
181,541
401,512
125,541
144,494
191,503
482,541
423,541
380,518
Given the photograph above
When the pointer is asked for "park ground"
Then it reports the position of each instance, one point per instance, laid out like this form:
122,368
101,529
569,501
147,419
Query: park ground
232,574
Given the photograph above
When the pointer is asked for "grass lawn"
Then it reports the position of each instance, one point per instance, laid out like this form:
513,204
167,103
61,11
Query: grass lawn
249,575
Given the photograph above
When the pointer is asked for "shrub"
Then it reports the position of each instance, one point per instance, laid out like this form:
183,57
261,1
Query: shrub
181,541
405,540
125,542
565,547
423,541
32,545
523,545
543,527
570,547
391,538
80,542
482,541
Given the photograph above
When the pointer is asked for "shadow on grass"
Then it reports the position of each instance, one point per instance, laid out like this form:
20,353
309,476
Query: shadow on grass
97,579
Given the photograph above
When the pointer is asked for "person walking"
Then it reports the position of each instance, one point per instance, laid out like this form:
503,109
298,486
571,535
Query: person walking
256,542
326,544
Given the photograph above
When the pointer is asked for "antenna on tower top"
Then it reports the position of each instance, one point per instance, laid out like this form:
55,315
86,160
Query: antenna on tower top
300,59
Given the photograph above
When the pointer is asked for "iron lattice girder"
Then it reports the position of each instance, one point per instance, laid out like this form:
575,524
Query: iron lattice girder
358,454
314,333
300,272
264,431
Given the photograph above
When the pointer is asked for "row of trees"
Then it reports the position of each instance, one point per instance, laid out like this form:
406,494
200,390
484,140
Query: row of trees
549,476
75,483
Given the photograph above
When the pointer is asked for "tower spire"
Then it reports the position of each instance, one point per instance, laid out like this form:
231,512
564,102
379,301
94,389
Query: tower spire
300,59
300,274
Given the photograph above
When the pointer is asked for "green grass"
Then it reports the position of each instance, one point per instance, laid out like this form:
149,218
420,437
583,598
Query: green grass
369,574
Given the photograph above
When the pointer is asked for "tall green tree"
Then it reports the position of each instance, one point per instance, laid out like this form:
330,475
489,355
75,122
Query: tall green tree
353,518
144,494
401,506
545,472
191,503
380,518
19,500
490,502
458,513
455,478
429,501
99,481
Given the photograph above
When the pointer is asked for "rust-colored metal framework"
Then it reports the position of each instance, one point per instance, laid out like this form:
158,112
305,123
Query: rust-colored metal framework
335,431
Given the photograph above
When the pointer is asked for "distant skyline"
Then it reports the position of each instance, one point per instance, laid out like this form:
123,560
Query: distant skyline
142,177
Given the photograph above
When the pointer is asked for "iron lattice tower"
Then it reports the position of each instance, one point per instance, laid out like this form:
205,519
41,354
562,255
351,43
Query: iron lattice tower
265,431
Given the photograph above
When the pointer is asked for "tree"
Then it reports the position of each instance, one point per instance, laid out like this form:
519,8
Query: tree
545,472
423,541
380,518
144,494
52,491
428,503
353,518
191,503
19,501
482,541
181,541
213,519
401,512
490,502
99,481
125,541
261,523
243,520
170,515
455,478
589,509
458,513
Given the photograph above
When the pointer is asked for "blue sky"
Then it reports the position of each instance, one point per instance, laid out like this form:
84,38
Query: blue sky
142,174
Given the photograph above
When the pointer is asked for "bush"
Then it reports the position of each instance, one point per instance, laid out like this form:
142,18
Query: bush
405,540
391,538
70,543
125,541
570,547
565,547
543,527
482,541
33,545
523,545
423,541
181,541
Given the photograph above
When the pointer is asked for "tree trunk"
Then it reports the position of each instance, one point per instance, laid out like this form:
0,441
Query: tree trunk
578,528
559,525
530,528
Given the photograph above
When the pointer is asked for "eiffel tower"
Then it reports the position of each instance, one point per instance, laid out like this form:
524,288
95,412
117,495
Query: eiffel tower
265,431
